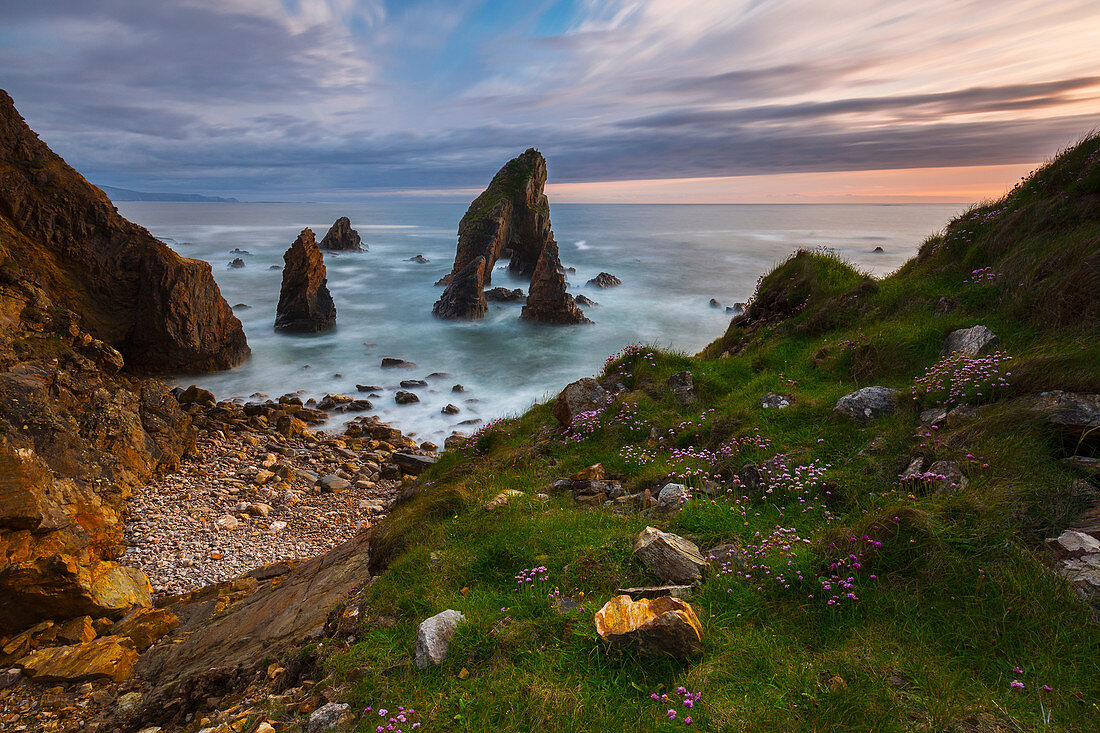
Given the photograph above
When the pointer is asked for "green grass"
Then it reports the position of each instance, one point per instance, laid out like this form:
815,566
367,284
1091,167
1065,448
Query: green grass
961,594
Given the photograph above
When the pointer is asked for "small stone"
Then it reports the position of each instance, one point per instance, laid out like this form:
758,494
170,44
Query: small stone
278,526
434,636
389,362
449,409
402,397
672,496
773,401
129,703
257,509
502,499
333,483
595,472
227,522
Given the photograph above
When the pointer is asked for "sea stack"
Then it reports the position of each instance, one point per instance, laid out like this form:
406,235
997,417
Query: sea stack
547,300
305,305
342,238
510,218
163,312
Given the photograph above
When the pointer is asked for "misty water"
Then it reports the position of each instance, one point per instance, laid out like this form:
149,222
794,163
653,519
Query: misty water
672,260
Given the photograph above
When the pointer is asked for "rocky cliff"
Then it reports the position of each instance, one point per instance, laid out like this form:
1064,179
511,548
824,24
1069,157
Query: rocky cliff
305,304
511,218
163,312
342,238
547,300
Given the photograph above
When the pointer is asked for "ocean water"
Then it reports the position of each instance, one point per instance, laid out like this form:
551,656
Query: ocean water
672,259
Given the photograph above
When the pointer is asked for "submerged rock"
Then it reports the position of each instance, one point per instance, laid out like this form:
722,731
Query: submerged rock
305,304
341,237
665,625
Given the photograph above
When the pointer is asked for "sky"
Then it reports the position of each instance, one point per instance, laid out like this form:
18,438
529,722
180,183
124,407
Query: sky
630,100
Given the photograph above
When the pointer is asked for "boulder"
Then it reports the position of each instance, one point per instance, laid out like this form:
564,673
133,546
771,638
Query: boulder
665,626
163,312
413,383
969,341
584,300
449,409
584,395
657,591
236,264
604,280
420,259
953,478
197,395
341,237
289,426
328,716
1076,414
413,463
333,483
547,299
145,626
672,496
305,305
867,404
682,386
434,636
670,557
389,362
108,658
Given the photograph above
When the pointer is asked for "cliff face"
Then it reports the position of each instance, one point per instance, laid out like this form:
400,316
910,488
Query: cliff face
163,312
305,304
75,437
547,300
510,218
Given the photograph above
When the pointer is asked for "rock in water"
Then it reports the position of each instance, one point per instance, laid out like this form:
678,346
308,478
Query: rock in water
666,626
511,216
604,280
342,238
869,403
304,302
547,299
668,556
434,636
504,295
163,312
464,298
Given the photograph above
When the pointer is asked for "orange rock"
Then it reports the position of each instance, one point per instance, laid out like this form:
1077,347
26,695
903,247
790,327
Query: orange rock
109,657
665,625
145,626
594,472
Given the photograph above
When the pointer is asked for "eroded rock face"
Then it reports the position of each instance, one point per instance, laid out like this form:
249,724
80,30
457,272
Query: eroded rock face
665,626
547,300
867,404
464,298
163,312
342,238
305,305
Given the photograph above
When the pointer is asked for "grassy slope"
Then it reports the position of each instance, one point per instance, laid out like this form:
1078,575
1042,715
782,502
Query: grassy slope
960,596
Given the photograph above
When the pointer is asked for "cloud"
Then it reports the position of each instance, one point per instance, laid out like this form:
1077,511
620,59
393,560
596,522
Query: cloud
270,98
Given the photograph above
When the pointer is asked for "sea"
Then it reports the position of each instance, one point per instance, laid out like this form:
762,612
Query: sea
672,260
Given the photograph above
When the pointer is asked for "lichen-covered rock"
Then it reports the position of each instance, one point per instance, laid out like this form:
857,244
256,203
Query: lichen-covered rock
670,557
682,386
163,312
434,636
341,237
664,626
969,341
328,716
583,395
305,304
1073,544
108,658
547,298
867,404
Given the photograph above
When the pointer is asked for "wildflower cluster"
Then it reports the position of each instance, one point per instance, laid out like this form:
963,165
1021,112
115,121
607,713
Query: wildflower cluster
395,723
981,275
958,378
687,699
840,584
472,442
802,484
531,575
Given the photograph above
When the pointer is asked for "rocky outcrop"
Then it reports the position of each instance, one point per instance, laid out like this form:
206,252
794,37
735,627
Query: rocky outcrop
547,299
305,305
163,312
76,436
604,280
969,341
342,238
505,295
510,219
584,395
